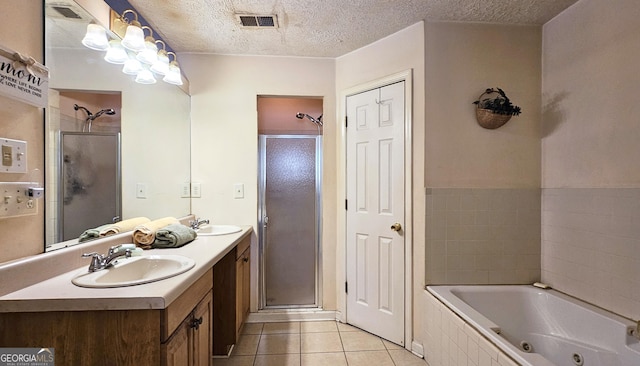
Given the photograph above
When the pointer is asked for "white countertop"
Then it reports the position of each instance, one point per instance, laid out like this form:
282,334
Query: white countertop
59,294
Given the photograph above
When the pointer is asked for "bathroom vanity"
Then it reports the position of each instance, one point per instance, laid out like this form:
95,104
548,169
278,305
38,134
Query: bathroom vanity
167,322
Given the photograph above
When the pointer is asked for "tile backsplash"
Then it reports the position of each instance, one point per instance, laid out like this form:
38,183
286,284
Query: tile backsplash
482,236
591,245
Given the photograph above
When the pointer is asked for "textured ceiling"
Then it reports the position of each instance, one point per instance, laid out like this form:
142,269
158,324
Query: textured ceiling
321,28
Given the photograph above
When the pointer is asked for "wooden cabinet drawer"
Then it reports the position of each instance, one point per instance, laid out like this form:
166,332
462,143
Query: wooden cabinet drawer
242,246
179,309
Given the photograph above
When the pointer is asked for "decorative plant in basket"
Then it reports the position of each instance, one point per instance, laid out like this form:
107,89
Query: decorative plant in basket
494,111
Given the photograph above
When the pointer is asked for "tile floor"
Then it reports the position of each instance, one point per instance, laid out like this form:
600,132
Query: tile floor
318,343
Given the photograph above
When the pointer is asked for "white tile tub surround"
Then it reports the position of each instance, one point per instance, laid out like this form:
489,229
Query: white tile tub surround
482,236
449,341
591,245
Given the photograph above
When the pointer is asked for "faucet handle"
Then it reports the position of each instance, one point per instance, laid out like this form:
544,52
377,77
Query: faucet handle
117,248
92,254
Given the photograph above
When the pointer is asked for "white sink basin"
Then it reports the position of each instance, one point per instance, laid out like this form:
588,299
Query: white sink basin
136,271
218,229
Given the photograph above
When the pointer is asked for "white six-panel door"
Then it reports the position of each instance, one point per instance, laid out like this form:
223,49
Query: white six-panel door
375,211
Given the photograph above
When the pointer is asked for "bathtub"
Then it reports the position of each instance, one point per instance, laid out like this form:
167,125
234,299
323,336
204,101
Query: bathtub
539,327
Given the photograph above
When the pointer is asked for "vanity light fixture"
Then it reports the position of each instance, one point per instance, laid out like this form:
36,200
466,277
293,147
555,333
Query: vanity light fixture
132,66
149,54
96,37
174,76
139,55
161,65
116,54
134,37
145,76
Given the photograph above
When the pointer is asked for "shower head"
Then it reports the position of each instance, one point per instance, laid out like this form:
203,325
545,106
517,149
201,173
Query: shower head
91,116
108,111
317,121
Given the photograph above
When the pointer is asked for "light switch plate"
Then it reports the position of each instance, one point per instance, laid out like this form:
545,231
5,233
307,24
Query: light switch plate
185,190
141,190
15,201
238,190
14,156
196,190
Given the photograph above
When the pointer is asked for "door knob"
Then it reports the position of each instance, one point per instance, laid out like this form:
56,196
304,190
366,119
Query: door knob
396,227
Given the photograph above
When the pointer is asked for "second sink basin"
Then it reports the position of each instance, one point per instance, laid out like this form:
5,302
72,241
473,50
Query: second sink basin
218,229
136,271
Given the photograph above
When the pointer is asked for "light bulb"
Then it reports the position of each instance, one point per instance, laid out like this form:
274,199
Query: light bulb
145,76
132,66
96,38
134,37
116,54
174,75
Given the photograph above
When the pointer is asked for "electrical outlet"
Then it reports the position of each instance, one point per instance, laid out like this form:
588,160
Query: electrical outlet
185,190
196,190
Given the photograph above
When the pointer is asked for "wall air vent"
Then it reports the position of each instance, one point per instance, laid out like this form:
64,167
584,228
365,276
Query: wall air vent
66,12
258,21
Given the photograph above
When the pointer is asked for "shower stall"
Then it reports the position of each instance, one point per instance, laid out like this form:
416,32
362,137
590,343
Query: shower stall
89,181
289,221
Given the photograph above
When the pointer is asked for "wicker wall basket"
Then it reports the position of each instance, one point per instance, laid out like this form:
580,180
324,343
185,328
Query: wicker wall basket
487,119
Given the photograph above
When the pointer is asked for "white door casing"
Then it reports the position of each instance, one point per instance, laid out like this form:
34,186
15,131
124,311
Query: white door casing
375,184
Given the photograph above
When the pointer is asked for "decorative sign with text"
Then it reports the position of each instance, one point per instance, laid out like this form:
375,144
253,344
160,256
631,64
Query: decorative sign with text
23,78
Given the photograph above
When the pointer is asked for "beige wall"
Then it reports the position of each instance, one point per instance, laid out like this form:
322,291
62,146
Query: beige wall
224,119
396,53
21,30
483,206
590,89
462,60
590,154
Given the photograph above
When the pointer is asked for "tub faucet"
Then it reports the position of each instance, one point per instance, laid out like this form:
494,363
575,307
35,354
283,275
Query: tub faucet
99,261
195,224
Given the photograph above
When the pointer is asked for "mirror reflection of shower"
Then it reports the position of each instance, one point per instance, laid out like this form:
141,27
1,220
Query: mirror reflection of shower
86,127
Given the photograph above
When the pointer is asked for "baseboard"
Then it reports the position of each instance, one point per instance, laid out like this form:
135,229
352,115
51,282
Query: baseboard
417,349
291,315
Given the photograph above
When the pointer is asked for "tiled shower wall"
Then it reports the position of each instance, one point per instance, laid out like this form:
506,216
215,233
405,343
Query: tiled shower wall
591,245
482,236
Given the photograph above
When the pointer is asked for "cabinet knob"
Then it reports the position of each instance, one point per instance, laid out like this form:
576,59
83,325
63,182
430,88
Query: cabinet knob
195,323
245,259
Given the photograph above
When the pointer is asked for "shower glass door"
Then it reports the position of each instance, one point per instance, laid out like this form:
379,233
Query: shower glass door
90,182
289,220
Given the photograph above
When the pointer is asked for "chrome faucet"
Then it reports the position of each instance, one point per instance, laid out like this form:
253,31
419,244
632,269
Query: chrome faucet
195,224
99,261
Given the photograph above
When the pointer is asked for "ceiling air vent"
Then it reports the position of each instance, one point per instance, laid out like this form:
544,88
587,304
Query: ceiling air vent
258,21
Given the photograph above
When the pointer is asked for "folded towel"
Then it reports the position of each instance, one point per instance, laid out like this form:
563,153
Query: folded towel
174,236
144,235
124,225
90,234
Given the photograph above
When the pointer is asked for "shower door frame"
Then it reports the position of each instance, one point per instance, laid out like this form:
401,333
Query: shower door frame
262,213
60,209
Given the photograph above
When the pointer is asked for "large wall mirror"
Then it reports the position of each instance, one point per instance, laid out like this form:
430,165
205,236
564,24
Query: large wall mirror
130,159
